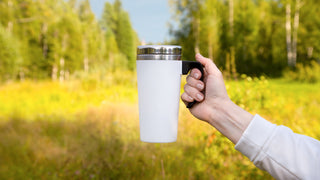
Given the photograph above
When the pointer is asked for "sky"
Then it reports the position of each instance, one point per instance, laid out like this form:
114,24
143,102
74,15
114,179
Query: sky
149,18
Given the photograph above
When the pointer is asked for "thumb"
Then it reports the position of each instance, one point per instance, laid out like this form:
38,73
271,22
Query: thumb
208,64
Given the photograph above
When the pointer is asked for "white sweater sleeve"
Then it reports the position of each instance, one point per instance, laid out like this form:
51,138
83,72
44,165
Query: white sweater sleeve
279,151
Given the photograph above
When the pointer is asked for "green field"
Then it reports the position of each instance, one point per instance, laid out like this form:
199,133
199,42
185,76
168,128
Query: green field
90,130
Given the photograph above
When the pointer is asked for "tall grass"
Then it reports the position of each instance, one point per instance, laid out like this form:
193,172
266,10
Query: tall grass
89,129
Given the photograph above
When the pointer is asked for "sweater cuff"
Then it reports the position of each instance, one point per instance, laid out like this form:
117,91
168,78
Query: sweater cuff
255,137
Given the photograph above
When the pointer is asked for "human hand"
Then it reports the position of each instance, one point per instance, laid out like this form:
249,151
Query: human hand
210,94
214,105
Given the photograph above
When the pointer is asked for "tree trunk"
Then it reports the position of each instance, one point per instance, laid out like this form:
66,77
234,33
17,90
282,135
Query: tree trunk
295,32
231,18
66,75
228,69
54,74
309,52
86,64
233,63
43,40
10,23
21,74
62,62
10,27
61,75
210,47
111,62
232,69
86,59
288,34
196,29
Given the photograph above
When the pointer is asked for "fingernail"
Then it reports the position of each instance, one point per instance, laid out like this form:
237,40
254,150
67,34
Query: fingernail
196,75
199,97
198,54
199,86
190,98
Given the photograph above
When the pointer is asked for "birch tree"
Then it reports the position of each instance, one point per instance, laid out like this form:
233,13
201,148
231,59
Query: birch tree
292,34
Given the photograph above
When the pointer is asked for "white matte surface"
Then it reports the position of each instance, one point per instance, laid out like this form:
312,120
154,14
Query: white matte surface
159,93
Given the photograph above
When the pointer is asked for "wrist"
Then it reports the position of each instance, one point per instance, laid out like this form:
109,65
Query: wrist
220,111
230,119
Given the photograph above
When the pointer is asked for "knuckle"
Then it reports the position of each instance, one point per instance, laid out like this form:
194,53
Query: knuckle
189,79
190,91
195,70
182,97
186,98
185,87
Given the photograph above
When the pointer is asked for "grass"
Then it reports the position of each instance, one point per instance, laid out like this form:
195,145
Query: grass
90,130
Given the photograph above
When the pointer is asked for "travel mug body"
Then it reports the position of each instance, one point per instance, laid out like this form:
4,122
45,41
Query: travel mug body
159,92
159,70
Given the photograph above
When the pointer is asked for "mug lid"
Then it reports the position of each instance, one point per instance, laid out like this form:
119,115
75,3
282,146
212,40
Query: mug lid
159,50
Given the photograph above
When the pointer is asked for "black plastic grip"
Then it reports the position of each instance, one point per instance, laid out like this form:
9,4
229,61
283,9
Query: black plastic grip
186,67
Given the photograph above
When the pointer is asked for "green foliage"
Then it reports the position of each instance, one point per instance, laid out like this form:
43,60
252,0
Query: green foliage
70,35
10,56
258,35
304,73
118,27
309,47
57,38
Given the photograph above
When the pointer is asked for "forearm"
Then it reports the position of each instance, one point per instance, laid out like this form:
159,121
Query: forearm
230,119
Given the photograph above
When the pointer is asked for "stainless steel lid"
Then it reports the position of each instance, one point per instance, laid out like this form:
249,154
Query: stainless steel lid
159,52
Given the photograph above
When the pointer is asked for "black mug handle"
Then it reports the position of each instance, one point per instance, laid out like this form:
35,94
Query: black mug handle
186,67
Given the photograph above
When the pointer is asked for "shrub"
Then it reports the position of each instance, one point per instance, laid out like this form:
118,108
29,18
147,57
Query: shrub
304,73
250,93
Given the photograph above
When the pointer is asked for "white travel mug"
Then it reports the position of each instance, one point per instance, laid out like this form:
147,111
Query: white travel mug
159,70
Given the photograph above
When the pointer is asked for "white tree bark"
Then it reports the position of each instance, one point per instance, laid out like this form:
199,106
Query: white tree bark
231,18
232,50
62,61
61,75
85,59
288,34
10,26
196,29
86,64
10,23
295,32
21,74
210,46
54,74
310,51
44,30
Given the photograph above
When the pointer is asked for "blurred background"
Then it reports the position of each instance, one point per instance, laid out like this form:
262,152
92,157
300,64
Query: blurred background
68,88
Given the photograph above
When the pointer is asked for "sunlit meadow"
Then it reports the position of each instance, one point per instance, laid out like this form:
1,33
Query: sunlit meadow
89,129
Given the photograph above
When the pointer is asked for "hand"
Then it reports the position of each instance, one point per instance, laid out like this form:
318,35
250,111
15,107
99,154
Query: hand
214,105
210,94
